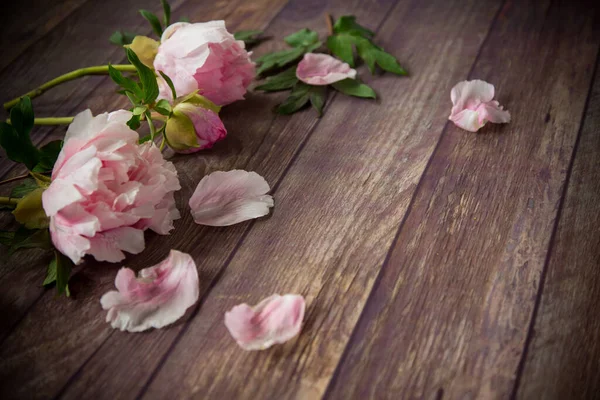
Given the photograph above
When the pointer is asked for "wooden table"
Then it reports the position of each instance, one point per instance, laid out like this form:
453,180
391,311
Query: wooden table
436,263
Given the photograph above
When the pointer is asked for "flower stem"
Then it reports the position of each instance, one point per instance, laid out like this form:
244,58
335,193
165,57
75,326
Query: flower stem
9,201
78,73
50,121
329,23
16,178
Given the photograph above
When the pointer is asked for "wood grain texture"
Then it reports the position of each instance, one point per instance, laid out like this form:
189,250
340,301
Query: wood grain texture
336,213
25,22
450,312
563,358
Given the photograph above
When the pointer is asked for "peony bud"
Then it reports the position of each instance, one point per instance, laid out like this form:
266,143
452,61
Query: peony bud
194,125
145,48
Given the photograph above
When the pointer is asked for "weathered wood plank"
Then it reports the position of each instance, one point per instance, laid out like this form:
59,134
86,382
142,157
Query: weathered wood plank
563,357
337,210
449,314
25,22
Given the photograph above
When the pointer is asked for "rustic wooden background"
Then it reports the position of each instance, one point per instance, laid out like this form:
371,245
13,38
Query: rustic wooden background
436,263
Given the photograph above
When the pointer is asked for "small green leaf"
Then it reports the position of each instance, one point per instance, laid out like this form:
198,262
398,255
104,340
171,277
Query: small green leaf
27,186
17,144
21,116
170,83
304,37
6,237
166,12
121,38
388,62
134,122
354,88
154,22
64,265
341,47
284,80
48,155
30,212
124,82
318,94
298,98
147,77
348,24
163,107
139,110
27,239
279,59
365,51
250,38
51,272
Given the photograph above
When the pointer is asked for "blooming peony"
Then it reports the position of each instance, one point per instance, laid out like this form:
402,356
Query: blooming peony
204,57
106,190
276,319
323,69
227,198
157,298
473,106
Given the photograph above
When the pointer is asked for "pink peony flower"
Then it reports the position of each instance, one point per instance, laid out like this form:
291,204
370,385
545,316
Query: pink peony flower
227,198
276,319
473,106
157,298
106,190
194,126
204,57
323,69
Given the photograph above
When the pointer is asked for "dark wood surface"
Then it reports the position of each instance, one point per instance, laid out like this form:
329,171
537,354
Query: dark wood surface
436,263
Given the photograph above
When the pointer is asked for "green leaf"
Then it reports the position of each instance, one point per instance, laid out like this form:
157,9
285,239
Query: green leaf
166,12
154,22
318,94
298,98
248,37
17,144
134,122
279,59
30,212
27,239
284,80
354,88
341,47
170,83
364,48
139,110
27,186
147,77
304,37
64,265
163,107
145,139
48,155
388,62
51,272
121,38
6,237
347,23
126,83
21,116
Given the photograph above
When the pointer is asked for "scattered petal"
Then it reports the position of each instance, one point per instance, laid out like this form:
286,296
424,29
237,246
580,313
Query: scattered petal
323,69
473,105
227,198
158,297
274,320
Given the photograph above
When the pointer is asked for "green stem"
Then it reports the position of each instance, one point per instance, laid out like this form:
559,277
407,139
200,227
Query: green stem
151,125
78,73
9,201
50,121
162,144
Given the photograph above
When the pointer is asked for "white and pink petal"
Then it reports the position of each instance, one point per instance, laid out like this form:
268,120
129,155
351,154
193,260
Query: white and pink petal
323,69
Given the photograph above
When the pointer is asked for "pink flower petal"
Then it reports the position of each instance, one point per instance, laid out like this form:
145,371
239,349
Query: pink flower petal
473,105
158,297
276,319
323,69
227,198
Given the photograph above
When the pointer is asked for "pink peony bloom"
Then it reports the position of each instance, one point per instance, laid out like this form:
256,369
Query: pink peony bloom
227,198
106,190
473,106
157,298
204,57
192,128
274,320
323,69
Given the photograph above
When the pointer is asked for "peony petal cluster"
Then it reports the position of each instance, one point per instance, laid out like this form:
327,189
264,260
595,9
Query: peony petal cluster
473,106
227,198
107,189
323,69
274,320
204,57
158,297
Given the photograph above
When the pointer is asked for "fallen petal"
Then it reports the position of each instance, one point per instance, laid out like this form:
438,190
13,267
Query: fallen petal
274,320
323,69
158,297
227,198
473,105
